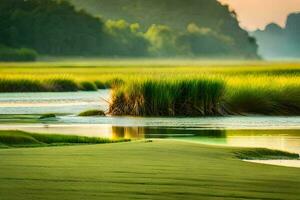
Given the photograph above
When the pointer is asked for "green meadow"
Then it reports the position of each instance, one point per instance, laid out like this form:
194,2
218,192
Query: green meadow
158,169
168,88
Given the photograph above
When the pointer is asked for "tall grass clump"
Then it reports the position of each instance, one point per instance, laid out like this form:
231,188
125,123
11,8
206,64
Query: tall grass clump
88,86
60,85
182,97
20,85
34,85
100,85
263,95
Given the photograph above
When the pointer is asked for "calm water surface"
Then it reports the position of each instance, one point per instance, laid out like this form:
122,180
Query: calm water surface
53,102
281,133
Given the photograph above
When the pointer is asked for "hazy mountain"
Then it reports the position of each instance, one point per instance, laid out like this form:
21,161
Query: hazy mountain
277,42
177,14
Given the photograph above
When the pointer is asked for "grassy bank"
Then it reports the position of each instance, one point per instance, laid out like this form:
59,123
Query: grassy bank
156,170
206,96
24,139
169,88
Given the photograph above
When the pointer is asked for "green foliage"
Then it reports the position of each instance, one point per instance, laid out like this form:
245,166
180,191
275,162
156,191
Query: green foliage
89,113
22,54
55,27
124,39
205,42
50,27
162,40
177,15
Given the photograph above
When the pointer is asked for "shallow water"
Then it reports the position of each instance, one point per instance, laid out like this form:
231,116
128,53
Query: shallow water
53,102
284,139
282,133
286,163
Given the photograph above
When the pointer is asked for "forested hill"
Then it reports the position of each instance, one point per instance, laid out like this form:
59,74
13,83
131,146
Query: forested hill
49,27
177,14
277,42
130,28
173,13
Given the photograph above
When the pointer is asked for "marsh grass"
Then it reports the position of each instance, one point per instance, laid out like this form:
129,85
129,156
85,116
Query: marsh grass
267,95
33,85
20,85
88,86
199,97
47,116
60,85
89,113
247,87
265,154
24,139
100,85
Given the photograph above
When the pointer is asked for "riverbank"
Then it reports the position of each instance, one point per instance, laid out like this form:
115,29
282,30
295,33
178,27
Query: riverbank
161,169
198,89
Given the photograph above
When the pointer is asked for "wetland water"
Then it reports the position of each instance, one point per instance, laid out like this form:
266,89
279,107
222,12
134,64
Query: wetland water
282,133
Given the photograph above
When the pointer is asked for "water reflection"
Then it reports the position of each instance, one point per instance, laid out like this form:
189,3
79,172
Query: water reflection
287,140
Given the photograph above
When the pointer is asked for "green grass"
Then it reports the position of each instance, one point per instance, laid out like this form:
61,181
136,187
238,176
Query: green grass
265,154
24,139
204,97
88,86
169,98
47,116
32,85
92,113
160,169
233,87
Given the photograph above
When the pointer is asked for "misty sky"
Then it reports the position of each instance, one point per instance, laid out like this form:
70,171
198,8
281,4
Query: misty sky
255,14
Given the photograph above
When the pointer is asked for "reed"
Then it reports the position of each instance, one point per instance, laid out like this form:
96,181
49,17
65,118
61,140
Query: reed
195,97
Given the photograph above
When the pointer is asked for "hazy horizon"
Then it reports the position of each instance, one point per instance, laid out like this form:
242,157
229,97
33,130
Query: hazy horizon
256,14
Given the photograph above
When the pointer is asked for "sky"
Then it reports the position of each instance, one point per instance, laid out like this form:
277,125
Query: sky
256,14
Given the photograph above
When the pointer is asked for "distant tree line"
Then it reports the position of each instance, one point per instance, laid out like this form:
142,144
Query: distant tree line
57,28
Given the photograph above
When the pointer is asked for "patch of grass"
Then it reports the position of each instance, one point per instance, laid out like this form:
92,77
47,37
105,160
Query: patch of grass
161,169
269,88
263,96
92,113
20,85
60,85
100,85
47,116
114,83
88,86
198,97
24,139
32,85
265,154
